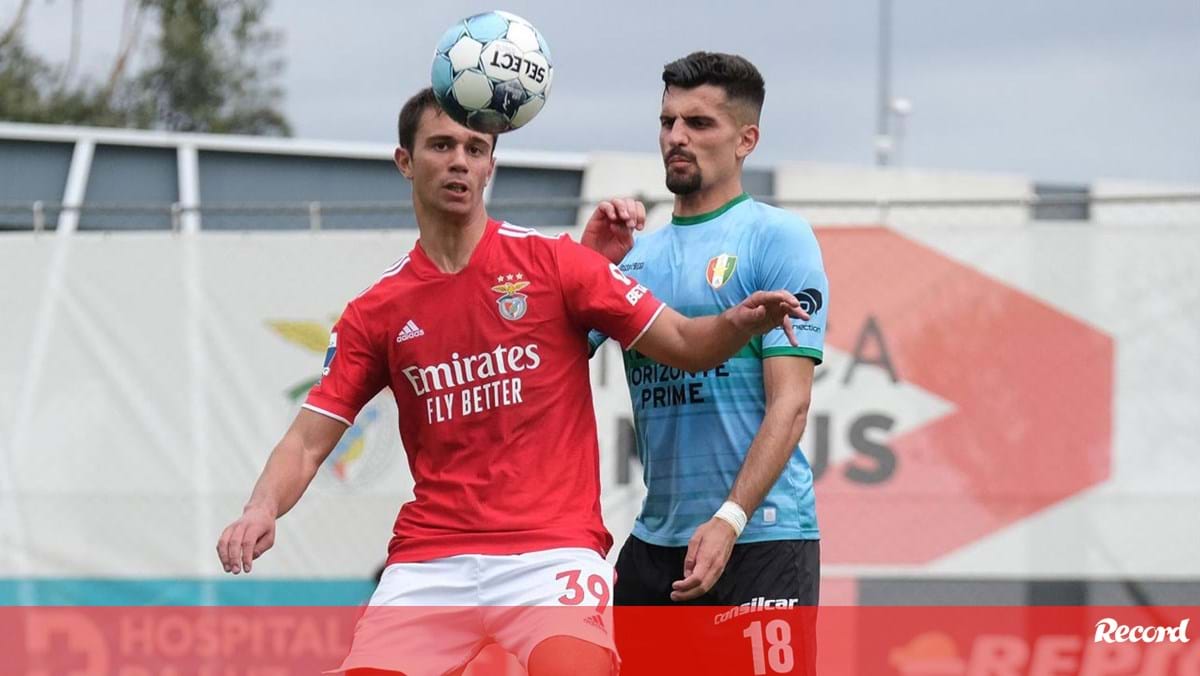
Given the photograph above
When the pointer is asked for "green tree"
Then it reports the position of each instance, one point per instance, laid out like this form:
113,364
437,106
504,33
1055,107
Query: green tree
209,68
209,74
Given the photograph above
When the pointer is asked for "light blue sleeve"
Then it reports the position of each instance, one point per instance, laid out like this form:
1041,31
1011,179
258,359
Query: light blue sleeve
789,258
595,340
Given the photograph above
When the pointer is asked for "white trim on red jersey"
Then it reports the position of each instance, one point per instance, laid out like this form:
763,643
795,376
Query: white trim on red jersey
509,230
327,414
392,271
396,268
649,322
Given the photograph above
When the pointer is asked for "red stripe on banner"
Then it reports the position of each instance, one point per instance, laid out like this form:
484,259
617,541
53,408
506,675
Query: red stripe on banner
756,639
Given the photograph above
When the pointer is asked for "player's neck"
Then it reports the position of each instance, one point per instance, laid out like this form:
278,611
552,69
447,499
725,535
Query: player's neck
449,241
708,200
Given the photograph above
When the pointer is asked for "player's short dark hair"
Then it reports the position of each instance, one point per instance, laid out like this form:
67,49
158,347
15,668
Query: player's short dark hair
410,117
734,74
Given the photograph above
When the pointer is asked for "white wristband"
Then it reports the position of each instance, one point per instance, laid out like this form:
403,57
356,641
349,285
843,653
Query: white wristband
733,514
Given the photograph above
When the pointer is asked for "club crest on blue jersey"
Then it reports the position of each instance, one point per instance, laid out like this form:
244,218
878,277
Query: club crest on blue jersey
329,352
720,270
512,302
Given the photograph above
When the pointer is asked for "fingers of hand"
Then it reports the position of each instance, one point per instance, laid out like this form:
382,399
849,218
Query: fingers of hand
233,552
609,211
698,583
223,548
689,560
641,215
625,211
249,539
687,589
264,543
791,332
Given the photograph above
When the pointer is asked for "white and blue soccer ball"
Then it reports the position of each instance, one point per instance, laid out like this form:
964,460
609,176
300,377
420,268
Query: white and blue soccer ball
492,72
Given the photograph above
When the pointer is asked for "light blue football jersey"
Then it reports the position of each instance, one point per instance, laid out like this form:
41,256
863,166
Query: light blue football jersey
694,429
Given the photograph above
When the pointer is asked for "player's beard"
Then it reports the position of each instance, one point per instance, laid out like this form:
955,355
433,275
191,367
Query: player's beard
684,182
688,180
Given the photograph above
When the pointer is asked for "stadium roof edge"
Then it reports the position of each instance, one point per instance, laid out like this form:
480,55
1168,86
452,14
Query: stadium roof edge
19,131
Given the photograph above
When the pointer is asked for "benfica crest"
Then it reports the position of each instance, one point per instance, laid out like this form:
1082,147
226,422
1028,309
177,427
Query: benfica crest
720,270
512,303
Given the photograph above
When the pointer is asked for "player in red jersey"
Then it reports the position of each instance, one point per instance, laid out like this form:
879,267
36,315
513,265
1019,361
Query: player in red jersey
481,334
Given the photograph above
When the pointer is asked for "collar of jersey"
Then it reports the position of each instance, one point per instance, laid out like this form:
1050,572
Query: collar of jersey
425,267
708,216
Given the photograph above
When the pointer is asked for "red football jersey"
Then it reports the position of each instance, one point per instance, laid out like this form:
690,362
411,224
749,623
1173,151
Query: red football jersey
489,370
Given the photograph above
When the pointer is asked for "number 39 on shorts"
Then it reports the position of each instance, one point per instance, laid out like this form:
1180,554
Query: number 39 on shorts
594,588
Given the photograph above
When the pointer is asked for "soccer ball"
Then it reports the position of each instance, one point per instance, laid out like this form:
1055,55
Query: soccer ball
492,72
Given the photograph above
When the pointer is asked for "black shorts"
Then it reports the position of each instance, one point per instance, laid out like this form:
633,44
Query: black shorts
779,569
760,574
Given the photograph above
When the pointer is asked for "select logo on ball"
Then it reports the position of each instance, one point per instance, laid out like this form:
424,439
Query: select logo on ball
492,72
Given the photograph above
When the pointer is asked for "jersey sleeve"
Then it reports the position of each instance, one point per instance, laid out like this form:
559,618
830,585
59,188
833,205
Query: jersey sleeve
789,258
599,296
354,372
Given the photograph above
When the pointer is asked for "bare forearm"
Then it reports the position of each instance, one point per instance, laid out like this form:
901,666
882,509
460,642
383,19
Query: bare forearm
288,472
769,454
697,344
702,343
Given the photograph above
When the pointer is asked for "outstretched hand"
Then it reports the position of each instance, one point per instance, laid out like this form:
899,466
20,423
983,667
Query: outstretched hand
610,229
763,311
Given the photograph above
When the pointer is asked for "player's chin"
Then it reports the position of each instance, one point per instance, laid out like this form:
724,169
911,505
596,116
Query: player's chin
455,203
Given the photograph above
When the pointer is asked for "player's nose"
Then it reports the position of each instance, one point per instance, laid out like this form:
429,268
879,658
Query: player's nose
676,134
458,158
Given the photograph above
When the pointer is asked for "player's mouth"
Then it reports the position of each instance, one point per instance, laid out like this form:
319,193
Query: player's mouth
457,187
679,162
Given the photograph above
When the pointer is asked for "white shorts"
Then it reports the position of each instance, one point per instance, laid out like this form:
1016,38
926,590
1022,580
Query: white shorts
432,617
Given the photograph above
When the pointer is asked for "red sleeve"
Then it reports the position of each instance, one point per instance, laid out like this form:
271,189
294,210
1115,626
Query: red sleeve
353,374
600,296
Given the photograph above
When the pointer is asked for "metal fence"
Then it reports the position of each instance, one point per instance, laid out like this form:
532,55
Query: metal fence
38,216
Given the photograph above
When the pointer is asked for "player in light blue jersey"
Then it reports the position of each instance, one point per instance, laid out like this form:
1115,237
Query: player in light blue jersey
729,515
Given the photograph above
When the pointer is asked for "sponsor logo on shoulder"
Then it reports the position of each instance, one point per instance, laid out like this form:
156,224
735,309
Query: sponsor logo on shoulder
329,353
811,301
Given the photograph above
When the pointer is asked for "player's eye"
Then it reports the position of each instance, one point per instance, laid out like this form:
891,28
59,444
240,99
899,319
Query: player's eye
666,122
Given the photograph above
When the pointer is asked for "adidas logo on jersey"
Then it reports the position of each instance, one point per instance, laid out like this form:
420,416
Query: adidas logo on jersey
410,331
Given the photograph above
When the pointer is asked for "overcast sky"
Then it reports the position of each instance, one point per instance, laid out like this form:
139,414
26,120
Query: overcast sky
1060,90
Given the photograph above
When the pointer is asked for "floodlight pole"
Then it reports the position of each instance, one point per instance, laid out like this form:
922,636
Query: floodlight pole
883,140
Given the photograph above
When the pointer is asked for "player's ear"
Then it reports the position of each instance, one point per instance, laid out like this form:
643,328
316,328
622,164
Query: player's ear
747,141
403,160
